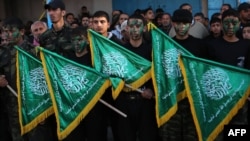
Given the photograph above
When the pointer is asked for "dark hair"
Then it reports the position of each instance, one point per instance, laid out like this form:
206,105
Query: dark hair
83,7
13,22
159,10
215,15
199,14
230,12
243,6
184,4
215,20
182,15
227,4
101,14
115,19
69,14
146,10
85,15
138,11
136,16
78,31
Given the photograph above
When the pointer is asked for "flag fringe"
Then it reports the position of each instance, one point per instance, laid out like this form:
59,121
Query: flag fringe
27,128
63,134
117,90
230,115
139,82
226,120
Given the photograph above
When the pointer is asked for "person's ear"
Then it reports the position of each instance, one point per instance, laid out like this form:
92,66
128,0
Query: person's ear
63,13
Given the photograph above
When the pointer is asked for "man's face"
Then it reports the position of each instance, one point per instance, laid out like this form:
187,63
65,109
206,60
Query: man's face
122,18
216,27
165,20
14,35
56,15
230,25
245,15
246,33
70,19
199,19
150,15
79,43
135,29
101,25
85,21
4,39
181,28
38,29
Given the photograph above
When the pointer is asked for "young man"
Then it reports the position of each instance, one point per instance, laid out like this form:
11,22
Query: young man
14,28
101,24
182,20
215,29
139,107
149,15
88,128
57,39
197,29
246,31
117,30
231,50
181,126
85,21
166,23
244,13
69,18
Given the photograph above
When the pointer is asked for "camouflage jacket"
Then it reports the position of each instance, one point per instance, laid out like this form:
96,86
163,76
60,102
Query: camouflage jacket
57,41
8,61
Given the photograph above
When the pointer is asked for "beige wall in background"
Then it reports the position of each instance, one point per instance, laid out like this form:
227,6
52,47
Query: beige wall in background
33,9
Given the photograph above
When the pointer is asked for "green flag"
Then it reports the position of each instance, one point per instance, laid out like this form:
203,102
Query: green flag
34,101
215,91
119,63
166,75
74,89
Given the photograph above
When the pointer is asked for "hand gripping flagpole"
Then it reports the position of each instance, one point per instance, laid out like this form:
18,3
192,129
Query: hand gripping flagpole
138,90
102,101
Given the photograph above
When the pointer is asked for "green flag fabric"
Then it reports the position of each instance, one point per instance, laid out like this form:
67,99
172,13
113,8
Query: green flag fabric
34,101
74,89
166,75
118,62
215,91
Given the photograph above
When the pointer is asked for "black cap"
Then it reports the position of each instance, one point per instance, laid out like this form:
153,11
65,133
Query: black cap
243,6
54,4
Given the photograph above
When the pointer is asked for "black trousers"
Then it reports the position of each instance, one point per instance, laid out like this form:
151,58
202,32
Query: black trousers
140,123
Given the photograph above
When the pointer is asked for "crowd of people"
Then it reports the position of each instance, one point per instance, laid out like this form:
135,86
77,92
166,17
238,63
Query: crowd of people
224,38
